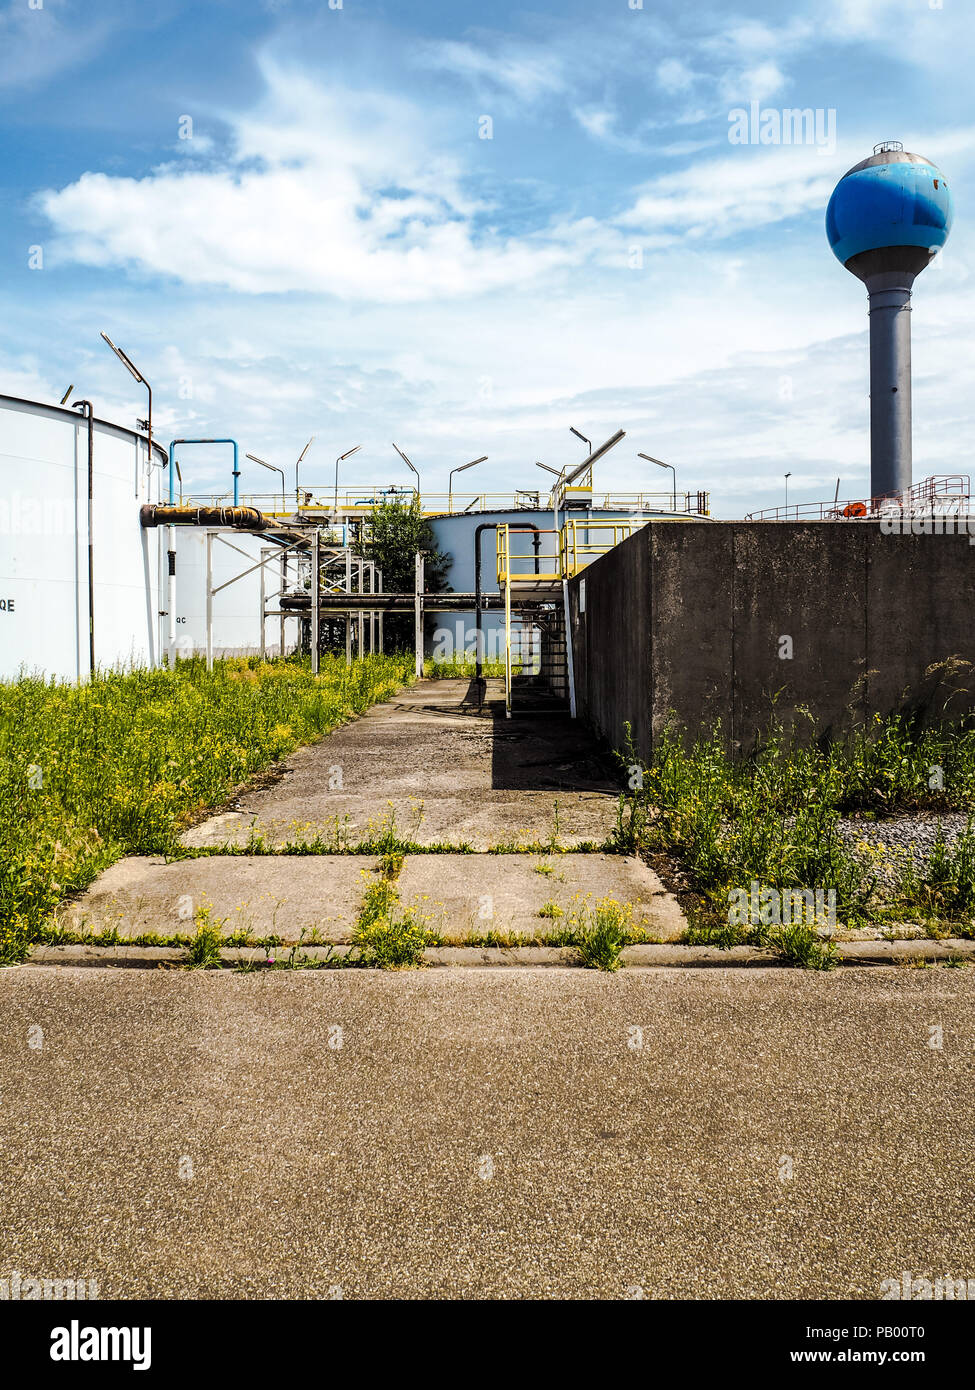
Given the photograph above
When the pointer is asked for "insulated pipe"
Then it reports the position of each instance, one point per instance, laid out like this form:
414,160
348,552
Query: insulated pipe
245,518
86,406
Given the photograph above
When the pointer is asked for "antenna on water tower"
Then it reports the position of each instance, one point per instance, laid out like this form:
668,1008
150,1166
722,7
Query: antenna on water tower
886,220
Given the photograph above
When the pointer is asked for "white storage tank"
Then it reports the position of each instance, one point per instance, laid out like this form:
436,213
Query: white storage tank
44,534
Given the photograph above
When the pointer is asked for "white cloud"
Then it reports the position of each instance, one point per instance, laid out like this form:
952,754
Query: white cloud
328,191
526,71
37,44
369,198
720,197
755,84
674,76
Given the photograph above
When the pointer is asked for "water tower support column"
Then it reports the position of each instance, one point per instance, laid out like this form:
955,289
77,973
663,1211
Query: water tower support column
890,383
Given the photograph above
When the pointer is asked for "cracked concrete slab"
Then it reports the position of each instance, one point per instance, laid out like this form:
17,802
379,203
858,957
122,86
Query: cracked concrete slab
286,895
444,771
461,893
268,895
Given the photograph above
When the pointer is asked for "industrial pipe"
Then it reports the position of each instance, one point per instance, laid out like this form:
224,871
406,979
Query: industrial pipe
86,406
236,471
245,518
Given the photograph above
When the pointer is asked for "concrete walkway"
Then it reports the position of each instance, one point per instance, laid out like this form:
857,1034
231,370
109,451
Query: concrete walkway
445,773
431,768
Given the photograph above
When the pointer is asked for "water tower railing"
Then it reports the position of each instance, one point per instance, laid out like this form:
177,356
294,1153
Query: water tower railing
939,495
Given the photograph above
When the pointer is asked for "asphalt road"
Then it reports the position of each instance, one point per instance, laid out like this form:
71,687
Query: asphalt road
486,1134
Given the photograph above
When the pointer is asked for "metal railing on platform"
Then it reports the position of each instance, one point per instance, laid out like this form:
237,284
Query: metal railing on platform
548,557
941,494
358,502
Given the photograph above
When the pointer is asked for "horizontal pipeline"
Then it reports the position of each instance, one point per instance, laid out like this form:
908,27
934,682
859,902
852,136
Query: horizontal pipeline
335,602
245,518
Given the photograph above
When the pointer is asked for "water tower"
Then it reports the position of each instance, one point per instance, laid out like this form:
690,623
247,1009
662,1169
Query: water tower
887,218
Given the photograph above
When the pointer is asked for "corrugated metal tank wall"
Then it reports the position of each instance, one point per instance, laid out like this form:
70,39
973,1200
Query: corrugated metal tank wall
44,543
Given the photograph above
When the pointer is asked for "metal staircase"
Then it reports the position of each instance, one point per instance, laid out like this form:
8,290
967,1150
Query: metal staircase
533,580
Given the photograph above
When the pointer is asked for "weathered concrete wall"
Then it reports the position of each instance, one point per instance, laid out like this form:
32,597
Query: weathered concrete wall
716,622
611,642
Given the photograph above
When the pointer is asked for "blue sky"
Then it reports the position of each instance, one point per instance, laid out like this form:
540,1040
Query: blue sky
336,251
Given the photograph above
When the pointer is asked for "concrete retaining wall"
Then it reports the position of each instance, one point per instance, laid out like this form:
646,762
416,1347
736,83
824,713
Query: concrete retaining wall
691,618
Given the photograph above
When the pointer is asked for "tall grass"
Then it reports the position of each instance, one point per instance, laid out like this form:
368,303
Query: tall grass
120,765
464,667
771,817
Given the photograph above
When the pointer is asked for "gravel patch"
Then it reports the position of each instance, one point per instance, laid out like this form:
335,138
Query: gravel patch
916,832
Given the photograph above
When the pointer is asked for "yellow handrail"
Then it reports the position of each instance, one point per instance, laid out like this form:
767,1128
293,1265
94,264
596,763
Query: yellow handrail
577,544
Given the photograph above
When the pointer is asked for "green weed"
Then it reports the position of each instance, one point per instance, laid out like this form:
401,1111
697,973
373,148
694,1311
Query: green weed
121,764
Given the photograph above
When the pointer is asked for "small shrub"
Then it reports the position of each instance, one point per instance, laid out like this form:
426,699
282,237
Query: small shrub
601,932
386,938
392,942
800,945
551,909
204,949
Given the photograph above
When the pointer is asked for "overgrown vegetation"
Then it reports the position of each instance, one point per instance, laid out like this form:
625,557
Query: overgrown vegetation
463,667
388,936
206,945
770,819
943,892
121,764
600,931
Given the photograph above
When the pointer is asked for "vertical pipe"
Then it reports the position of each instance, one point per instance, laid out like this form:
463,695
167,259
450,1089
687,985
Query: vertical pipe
418,612
315,611
236,475
361,616
283,587
381,642
348,611
209,544
171,594
264,554
86,406
478,643
149,422
507,640
91,543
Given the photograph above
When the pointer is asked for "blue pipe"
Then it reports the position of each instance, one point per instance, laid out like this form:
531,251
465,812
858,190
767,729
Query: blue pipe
174,442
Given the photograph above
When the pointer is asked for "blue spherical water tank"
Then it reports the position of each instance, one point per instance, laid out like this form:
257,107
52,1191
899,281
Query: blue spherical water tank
892,199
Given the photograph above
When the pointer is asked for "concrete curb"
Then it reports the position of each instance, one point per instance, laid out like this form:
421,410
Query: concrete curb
635,957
